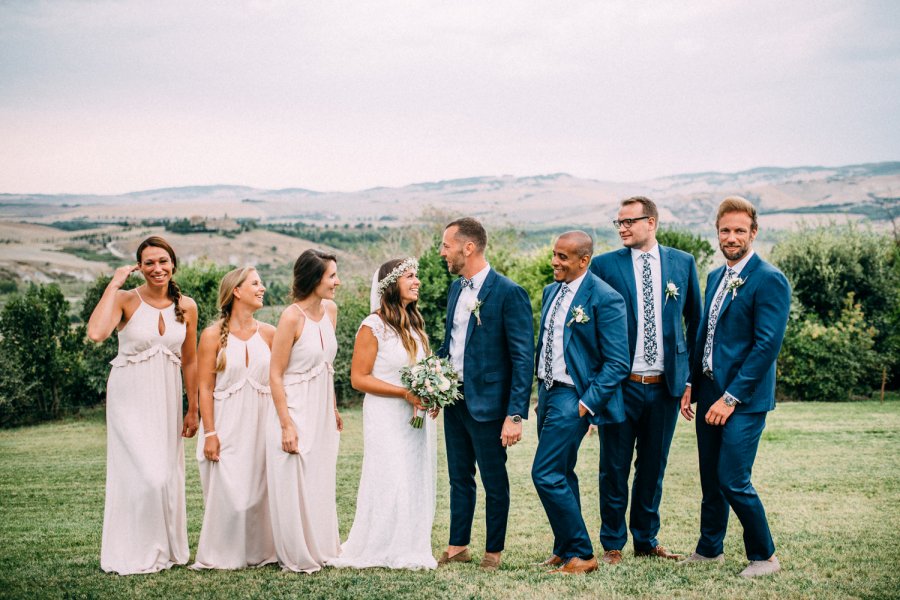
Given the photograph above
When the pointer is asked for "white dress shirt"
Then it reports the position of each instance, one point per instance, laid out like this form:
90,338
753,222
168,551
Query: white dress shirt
640,366
559,328
737,269
468,297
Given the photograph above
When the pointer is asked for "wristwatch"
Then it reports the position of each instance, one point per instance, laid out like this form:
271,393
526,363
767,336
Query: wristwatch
730,401
516,419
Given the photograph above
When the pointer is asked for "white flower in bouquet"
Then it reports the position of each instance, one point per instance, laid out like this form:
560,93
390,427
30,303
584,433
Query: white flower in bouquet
434,380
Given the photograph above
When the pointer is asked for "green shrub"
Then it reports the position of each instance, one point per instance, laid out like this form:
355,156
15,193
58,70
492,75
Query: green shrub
200,281
691,243
39,342
353,307
435,284
828,362
824,264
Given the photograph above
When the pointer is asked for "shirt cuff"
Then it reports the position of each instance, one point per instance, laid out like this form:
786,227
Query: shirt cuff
731,397
688,384
586,407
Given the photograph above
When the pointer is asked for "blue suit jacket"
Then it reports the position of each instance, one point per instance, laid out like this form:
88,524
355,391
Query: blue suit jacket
595,351
497,363
748,335
678,313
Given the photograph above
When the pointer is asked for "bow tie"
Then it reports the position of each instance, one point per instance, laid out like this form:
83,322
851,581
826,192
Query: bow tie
466,283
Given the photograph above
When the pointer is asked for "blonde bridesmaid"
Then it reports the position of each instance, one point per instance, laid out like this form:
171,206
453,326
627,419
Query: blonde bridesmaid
304,426
233,366
144,518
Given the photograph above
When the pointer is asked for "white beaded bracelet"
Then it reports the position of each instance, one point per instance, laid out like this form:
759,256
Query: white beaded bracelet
209,434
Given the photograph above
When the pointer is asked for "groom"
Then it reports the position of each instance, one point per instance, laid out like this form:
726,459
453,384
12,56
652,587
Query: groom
581,361
489,339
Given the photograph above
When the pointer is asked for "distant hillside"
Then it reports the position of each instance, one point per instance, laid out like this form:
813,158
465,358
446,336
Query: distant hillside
783,194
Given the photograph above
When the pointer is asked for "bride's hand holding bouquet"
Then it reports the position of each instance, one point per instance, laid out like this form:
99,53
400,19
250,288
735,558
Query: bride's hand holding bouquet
434,382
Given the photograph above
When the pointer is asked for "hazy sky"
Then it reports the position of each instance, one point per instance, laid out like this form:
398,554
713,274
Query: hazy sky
107,97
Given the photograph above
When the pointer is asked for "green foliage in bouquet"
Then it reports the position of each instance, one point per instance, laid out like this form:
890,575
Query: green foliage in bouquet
434,380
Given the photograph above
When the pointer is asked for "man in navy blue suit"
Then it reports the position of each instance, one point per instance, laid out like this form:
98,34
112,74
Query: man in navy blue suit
662,292
581,361
489,339
733,376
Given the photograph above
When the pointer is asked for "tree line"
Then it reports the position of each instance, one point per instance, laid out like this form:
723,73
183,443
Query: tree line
842,337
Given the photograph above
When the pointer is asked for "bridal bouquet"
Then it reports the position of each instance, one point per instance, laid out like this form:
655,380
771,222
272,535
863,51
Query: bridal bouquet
434,380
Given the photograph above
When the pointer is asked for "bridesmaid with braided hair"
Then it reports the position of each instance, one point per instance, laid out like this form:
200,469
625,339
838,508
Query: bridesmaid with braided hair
145,519
233,365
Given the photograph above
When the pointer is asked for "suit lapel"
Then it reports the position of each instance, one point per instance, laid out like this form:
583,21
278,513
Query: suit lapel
626,269
482,294
745,273
581,298
666,268
451,308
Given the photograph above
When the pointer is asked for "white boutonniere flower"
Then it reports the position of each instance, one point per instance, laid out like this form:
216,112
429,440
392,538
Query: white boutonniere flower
475,309
671,291
733,286
578,316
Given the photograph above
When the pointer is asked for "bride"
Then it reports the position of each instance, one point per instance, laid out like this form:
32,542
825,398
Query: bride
395,504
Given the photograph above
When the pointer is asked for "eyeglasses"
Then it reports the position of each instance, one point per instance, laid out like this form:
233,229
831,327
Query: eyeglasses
627,223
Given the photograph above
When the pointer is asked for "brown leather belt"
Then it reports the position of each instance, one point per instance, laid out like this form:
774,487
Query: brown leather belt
645,379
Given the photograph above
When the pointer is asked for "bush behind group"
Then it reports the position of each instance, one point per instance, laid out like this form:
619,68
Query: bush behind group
842,338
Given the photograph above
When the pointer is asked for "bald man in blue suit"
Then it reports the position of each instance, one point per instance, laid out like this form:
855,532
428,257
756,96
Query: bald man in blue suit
581,362
733,376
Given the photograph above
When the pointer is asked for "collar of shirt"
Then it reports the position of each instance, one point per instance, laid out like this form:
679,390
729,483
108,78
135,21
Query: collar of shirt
574,285
741,263
654,252
479,277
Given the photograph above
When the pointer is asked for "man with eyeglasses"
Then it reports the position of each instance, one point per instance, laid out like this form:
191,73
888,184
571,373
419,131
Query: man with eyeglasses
662,293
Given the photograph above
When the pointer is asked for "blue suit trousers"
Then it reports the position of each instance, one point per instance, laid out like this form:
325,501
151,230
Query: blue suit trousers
650,418
726,456
560,431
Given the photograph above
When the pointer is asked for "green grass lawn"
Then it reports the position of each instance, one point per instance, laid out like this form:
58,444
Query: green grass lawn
829,475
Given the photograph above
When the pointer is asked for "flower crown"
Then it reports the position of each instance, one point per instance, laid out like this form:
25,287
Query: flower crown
394,275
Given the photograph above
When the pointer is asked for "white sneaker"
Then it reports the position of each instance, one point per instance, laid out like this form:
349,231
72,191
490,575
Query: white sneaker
699,558
758,568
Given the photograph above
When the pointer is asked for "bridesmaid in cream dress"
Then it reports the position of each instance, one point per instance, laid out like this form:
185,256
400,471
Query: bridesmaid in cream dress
233,365
304,427
144,519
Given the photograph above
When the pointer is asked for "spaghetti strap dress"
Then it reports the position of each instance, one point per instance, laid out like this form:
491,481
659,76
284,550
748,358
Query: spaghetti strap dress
237,529
144,517
302,486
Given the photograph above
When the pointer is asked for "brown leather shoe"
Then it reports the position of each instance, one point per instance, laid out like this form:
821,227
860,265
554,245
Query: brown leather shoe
553,561
659,552
612,557
458,557
577,566
490,562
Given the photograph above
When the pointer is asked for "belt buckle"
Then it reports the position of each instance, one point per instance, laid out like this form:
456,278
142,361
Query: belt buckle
644,379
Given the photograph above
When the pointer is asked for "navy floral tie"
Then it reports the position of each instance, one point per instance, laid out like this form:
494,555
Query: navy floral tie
649,312
713,319
548,345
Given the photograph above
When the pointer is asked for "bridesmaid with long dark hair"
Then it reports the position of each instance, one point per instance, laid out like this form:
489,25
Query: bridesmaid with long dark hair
304,426
144,519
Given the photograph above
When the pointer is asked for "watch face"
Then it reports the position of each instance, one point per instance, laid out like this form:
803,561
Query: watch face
516,419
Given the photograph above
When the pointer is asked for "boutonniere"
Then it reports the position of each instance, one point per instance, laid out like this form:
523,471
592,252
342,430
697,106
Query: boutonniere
733,286
671,291
578,316
475,309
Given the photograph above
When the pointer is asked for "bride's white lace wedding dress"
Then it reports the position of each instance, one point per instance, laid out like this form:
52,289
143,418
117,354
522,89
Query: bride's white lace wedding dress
395,504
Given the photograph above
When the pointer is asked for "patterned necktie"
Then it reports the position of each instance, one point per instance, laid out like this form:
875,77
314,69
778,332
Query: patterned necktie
466,283
714,318
548,345
649,314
